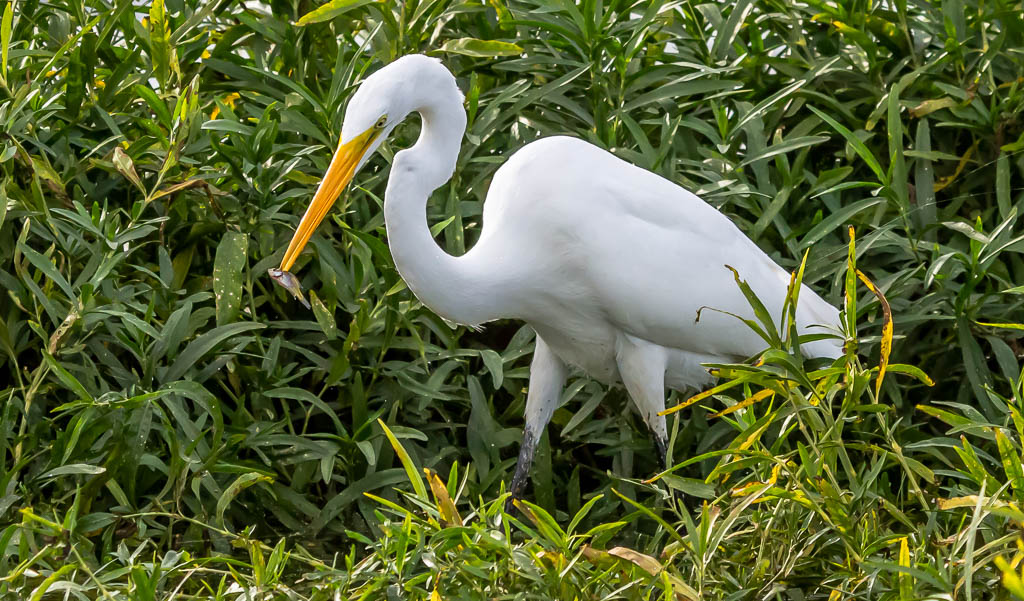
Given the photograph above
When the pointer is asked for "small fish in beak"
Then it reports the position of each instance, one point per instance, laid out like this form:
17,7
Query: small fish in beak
289,282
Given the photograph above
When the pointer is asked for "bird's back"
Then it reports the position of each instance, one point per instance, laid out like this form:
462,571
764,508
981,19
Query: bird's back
579,230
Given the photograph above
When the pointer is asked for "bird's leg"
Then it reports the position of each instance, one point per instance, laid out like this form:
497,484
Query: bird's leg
526,449
547,376
662,445
642,369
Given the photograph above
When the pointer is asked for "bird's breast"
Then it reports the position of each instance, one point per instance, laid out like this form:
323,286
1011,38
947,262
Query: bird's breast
589,348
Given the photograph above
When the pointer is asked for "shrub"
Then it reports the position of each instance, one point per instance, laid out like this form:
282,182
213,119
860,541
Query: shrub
172,425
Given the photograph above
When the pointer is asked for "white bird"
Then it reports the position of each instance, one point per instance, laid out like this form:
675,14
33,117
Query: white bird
609,263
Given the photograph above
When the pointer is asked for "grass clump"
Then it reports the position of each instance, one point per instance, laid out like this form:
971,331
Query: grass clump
174,427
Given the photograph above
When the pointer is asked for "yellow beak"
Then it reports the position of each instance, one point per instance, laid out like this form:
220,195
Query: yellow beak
340,172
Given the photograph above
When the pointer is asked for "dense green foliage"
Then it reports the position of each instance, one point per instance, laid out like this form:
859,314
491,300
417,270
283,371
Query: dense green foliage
172,426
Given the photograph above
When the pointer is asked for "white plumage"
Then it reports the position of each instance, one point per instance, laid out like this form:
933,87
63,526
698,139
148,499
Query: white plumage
608,262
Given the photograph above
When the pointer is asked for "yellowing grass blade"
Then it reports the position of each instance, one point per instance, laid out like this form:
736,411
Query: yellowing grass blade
851,293
949,179
745,402
911,370
887,330
1013,581
701,396
445,505
1011,326
403,456
796,279
906,580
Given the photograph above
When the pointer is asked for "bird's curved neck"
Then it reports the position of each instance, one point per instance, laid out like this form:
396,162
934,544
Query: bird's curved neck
453,287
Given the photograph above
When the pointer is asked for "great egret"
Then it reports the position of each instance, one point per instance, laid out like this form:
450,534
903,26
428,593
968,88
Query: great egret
607,262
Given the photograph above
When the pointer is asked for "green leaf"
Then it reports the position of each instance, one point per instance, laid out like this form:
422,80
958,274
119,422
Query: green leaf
155,103
79,74
305,396
1012,463
72,42
898,183
204,344
546,525
974,360
5,39
162,52
328,11
974,466
725,36
67,378
481,48
410,468
837,220
126,167
241,483
40,591
783,147
689,486
1003,199
493,363
230,126
46,266
228,275
911,370
934,104
674,91
770,327
858,145
74,469
324,316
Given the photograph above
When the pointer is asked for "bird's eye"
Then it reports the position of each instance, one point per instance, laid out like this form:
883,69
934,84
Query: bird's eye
381,122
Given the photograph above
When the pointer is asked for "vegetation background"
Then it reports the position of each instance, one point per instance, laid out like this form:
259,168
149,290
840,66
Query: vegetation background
173,427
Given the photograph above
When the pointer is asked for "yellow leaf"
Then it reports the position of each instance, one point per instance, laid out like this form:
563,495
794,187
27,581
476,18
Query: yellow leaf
1012,581
930,106
645,562
746,402
329,10
701,396
749,488
1009,326
445,505
906,580
595,555
653,567
753,437
946,181
887,331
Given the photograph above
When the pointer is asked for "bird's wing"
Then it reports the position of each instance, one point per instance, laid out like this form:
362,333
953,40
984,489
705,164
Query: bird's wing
649,254
662,257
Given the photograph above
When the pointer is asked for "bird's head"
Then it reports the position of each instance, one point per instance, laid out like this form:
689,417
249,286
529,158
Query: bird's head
382,101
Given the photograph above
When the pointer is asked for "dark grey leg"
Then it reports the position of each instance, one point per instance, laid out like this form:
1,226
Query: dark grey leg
526,449
662,445
547,376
